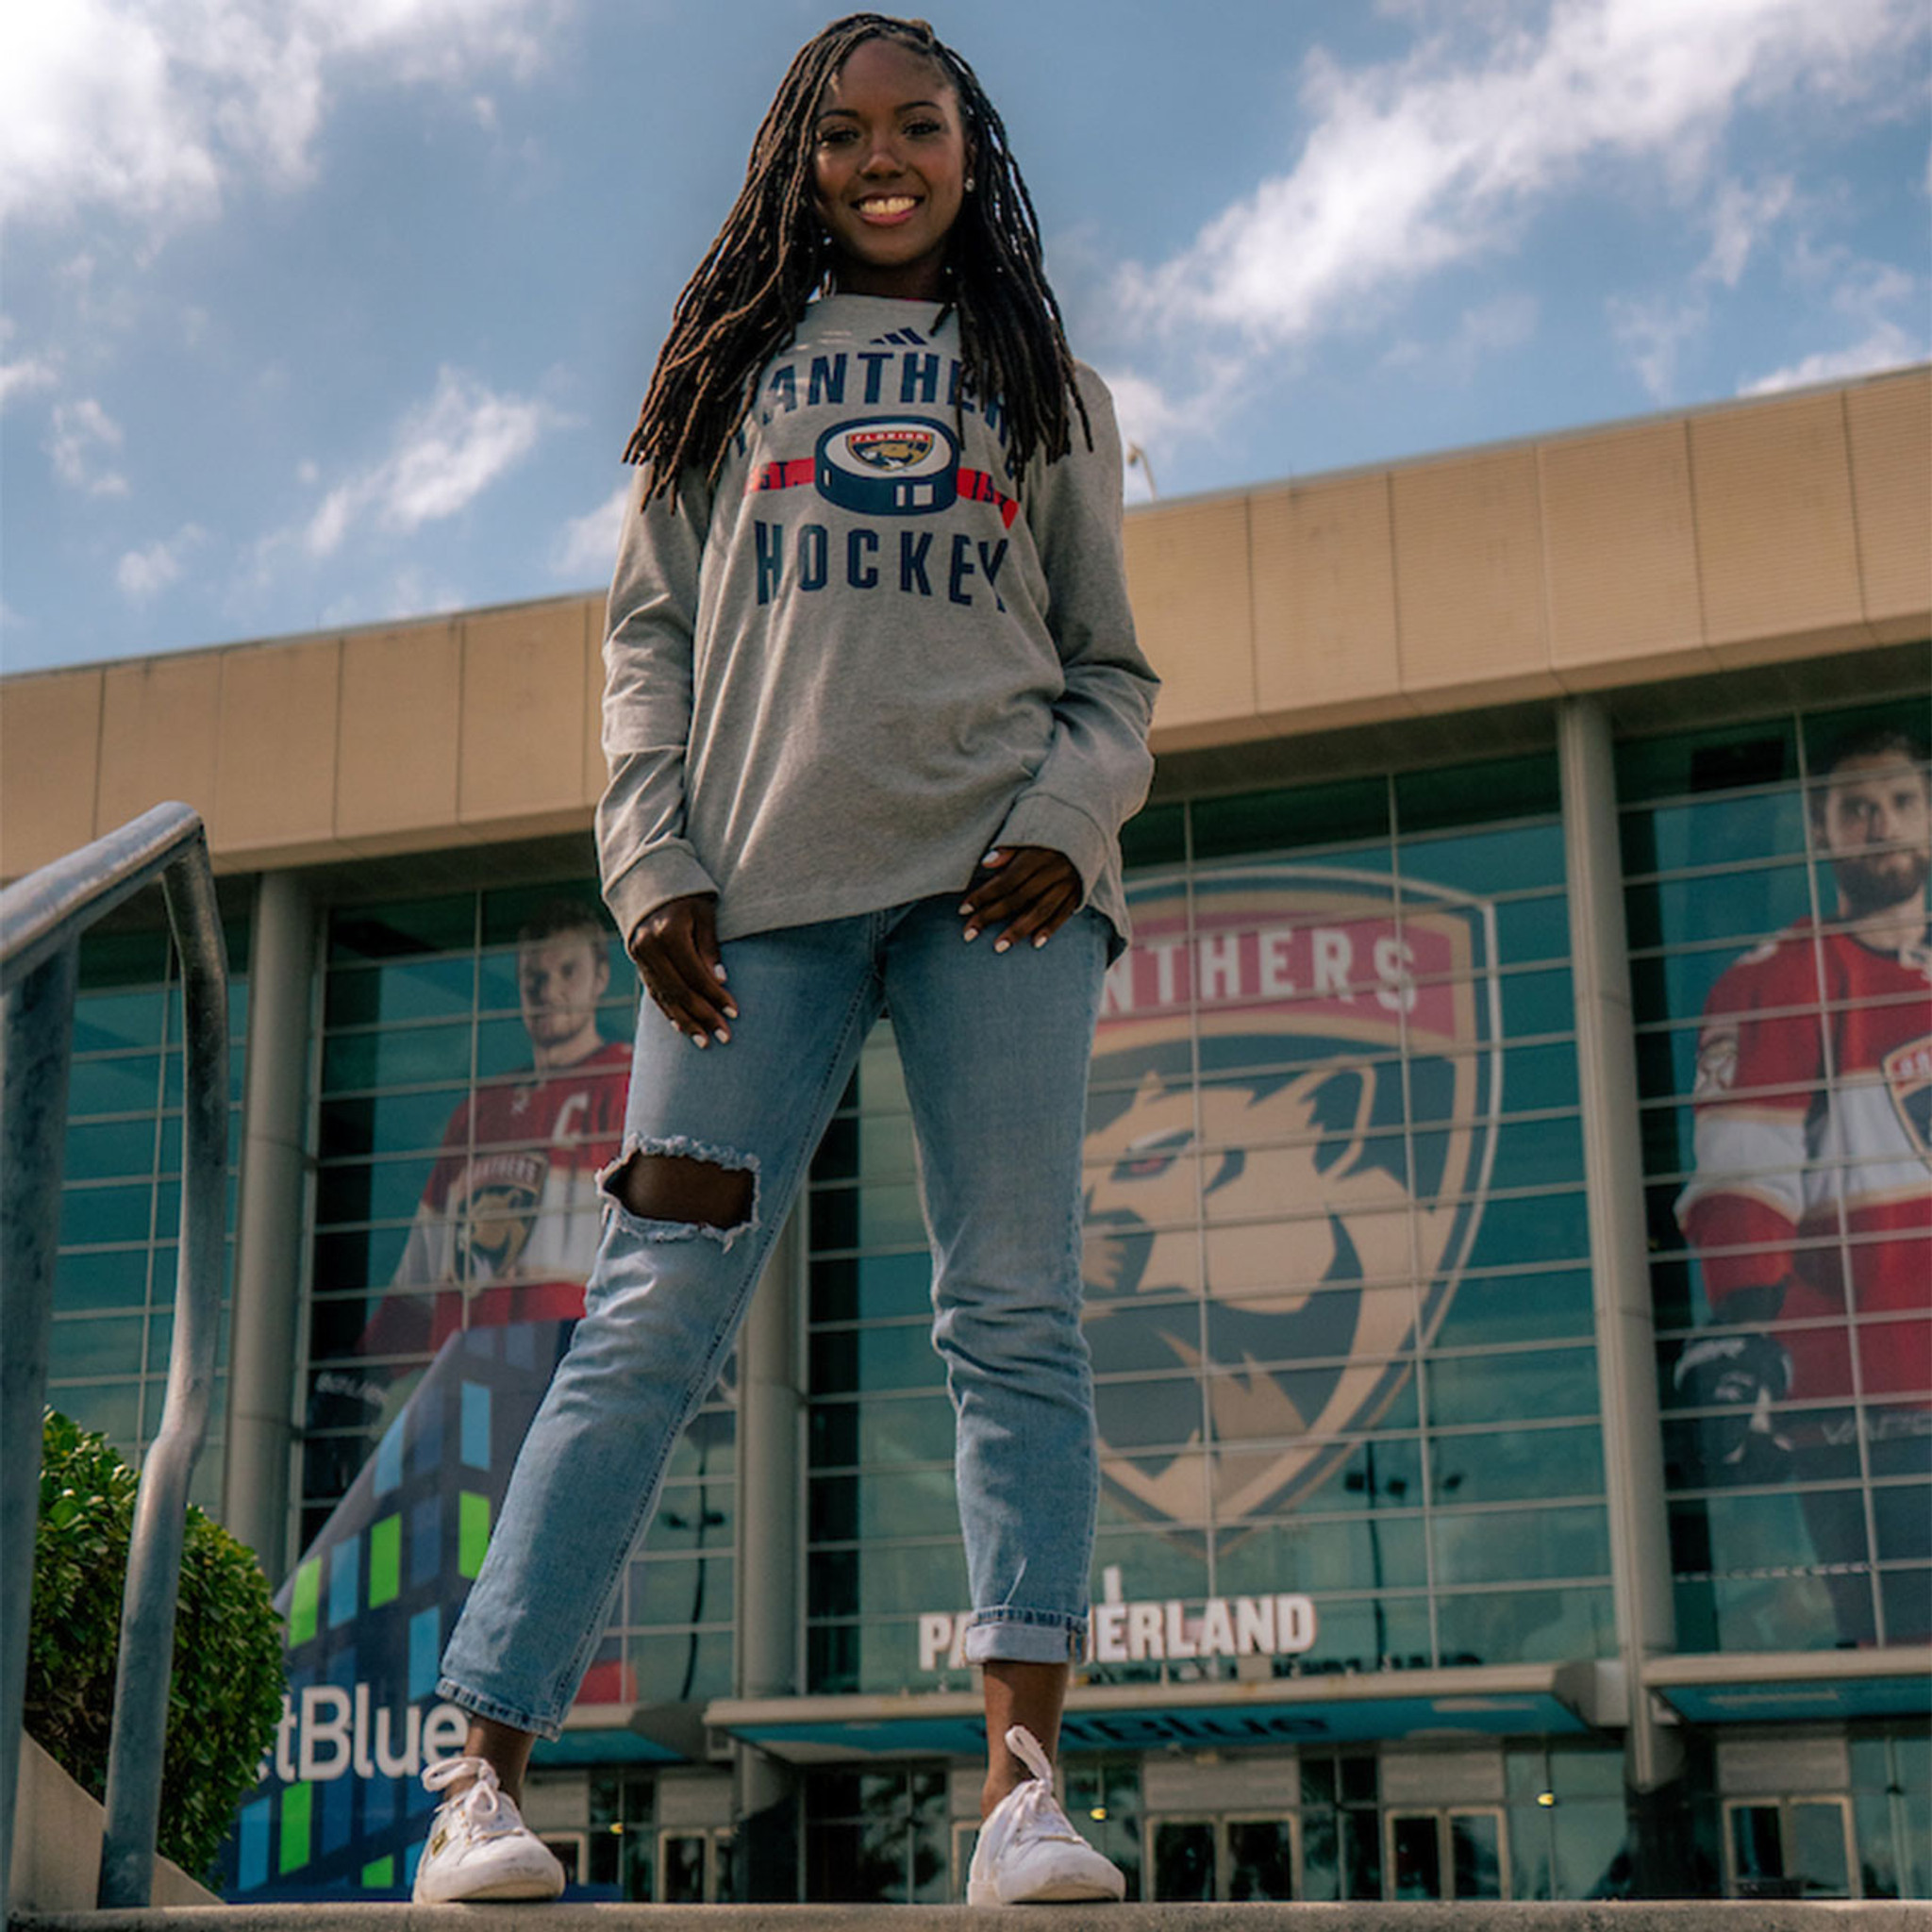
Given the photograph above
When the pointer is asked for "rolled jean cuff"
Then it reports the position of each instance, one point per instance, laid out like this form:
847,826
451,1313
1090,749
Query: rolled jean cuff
479,1705
1024,1637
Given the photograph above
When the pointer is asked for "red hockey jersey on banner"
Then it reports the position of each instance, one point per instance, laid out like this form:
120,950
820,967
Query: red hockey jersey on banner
507,1224
1814,1153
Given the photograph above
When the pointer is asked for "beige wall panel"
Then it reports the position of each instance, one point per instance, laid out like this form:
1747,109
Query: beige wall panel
1900,630
522,744
50,742
1324,593
594,771
276,746
1618,550
396,738
1207,734
157,735
1742,654
1188,576
1776,547
1616,674
529,824
1469,573
1890,426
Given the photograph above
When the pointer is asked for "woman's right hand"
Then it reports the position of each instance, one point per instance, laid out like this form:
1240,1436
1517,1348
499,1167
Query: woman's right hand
675,951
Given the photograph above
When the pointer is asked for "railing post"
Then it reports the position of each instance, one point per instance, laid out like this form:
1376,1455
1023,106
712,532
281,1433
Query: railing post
154,1558
35,1050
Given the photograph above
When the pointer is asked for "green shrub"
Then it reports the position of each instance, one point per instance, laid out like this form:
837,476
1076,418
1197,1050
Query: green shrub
226,1697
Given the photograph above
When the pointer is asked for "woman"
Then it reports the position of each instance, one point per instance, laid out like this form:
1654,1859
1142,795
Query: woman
874,715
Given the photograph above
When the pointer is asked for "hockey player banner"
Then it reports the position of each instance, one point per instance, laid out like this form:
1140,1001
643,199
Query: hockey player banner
1291,1127
422,1415
1801,1213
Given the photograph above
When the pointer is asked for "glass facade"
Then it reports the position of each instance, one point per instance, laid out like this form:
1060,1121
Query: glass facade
472,1066
1337,1256
1785,1024
121,1193
1340,1304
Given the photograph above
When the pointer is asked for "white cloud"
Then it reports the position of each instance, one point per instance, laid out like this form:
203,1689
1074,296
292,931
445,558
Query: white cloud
144,574
1655,331
85,435
447,452
1653,334
1739,218
1505,322
586,545
1440,159
1886,347
23,377
410,592
152,105
1871,296
25,373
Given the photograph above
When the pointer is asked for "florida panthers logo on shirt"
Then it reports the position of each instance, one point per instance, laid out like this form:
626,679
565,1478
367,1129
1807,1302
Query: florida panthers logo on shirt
888,466
1292,1121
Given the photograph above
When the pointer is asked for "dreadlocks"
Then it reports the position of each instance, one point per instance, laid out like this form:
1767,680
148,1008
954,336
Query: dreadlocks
772,256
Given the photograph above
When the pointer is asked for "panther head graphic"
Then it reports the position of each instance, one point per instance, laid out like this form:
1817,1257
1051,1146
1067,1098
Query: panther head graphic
1268,1236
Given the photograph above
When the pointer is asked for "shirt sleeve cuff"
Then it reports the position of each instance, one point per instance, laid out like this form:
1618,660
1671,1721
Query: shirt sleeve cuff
671,872
1040,819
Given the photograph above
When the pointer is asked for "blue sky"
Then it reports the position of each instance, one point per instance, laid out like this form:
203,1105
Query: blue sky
321,312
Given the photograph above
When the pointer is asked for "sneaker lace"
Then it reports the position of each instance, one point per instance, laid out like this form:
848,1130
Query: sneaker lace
484,1808
1036,1812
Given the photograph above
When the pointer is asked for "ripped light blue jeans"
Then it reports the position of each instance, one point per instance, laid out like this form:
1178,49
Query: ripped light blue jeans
995,1049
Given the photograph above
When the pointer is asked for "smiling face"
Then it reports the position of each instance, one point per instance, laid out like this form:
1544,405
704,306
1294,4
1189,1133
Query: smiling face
889,166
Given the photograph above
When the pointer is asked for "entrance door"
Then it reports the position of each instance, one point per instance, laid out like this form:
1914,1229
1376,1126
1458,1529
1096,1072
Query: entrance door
695,1868
1789,1848
1227,1858
1454,1852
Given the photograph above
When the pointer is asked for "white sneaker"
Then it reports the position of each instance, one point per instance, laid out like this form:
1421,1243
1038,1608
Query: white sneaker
479,1847
1028,1854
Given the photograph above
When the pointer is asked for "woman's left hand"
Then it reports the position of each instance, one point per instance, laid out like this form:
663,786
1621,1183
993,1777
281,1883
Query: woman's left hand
1029,891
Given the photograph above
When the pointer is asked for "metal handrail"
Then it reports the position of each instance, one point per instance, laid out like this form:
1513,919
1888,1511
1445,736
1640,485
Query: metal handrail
41,920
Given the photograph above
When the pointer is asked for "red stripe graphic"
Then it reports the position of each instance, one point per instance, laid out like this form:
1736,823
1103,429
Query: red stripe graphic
975,485
779,476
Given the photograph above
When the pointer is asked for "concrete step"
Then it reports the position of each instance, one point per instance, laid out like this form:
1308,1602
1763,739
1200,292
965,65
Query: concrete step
1599,1916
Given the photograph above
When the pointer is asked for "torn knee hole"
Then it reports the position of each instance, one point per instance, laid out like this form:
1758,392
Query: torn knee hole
679,1187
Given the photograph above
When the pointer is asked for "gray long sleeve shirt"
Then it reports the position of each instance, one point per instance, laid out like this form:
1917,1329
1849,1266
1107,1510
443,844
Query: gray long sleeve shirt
838,676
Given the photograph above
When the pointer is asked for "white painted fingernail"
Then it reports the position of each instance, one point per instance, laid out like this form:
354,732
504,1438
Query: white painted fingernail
698,1040
1000,945
990,857
971,934
719,972
1040,939
723,1036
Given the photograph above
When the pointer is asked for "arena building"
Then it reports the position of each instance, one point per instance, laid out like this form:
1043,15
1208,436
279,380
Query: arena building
1509,1227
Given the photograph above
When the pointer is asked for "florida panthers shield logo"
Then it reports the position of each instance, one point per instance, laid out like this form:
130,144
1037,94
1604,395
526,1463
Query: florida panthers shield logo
1290,1130
495,1210
1909,1079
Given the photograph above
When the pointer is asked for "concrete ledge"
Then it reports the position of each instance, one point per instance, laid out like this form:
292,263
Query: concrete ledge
56,1844
1737,1915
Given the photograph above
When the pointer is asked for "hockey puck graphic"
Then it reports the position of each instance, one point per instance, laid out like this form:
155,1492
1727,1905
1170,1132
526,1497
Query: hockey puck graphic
888,466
